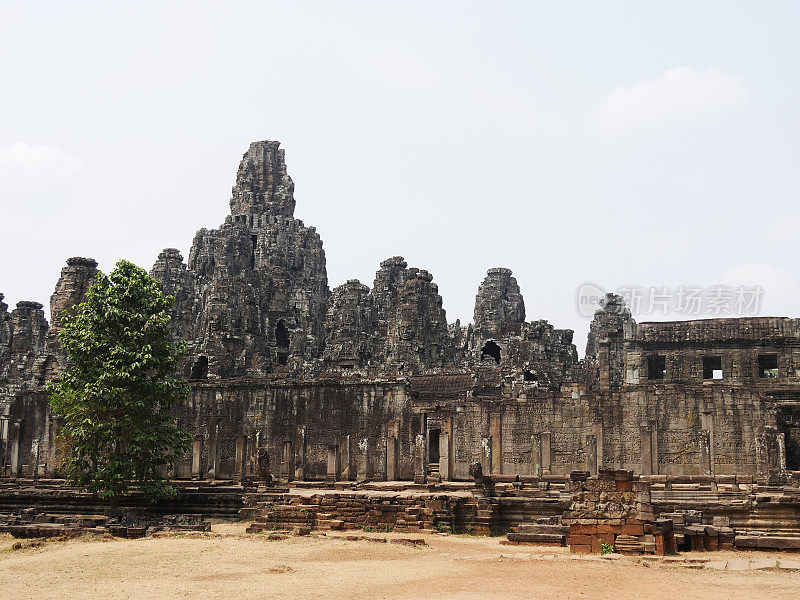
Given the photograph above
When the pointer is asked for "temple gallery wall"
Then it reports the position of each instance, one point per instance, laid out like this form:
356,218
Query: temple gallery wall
372,383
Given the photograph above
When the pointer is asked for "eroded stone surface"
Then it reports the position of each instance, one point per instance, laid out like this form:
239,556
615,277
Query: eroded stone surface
372,382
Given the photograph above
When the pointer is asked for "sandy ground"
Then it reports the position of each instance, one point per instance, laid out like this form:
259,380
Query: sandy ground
230,564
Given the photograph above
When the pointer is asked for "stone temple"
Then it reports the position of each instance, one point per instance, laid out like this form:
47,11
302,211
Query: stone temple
371,382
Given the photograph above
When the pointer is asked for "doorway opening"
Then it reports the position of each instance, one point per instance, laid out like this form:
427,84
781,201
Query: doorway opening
491,350
433,445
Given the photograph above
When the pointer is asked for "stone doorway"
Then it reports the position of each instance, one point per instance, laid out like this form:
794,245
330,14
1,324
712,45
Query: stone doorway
433,445
789,426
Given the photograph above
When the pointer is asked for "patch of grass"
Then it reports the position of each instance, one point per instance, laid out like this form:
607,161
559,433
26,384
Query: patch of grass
377,529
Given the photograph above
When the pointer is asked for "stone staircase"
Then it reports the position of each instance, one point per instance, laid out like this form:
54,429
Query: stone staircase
547,532
399,512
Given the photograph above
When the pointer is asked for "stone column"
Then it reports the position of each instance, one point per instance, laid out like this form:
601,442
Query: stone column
287,466
536,455
705,453
300,453
344,459
238,461
782,475
495,434
444,455
197,452
363,459
391,458
213,453
392,451
707,423
647,451
545,444
591,454
333,464
419,459
17,431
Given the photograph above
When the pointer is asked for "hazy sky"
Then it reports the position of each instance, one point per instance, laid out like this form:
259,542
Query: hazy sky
620,143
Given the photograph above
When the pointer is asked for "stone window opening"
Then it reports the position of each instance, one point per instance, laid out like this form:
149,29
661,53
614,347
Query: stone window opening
768,366
199,368
657,366
282,342
254,239
712,367
492,350
528,376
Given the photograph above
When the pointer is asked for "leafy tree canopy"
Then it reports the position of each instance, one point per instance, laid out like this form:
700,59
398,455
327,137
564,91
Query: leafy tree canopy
116,395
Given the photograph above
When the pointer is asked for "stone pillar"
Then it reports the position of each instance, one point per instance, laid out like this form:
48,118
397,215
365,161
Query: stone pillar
444,455
598,432
391,457
35,458
654,448
333,464
782,475
545,443
17,431
344,459
300,453
707,423
213,453
363,459
197,453
647,451
496,436
392,450
536,455
705,453
287,460
238,461
419,459
591,454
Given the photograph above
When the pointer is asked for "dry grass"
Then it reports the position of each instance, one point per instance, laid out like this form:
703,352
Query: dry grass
230,564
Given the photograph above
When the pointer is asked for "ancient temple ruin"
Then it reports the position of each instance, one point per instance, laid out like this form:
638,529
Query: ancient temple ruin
372,383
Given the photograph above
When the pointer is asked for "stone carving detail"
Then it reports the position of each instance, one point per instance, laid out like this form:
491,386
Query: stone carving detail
370,371
499,307
606,335
254,295
26,360
349,326
535,351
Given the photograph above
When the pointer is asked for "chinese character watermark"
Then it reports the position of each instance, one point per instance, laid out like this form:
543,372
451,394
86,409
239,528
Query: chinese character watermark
685,301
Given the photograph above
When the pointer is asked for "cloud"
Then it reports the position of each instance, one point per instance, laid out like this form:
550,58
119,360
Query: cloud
23,159
679,95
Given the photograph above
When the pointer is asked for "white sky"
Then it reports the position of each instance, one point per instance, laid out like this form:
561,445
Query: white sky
622,143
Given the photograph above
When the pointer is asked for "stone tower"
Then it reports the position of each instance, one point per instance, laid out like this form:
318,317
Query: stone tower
254,295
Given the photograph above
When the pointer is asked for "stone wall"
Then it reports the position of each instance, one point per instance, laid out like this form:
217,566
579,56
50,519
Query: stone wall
374,383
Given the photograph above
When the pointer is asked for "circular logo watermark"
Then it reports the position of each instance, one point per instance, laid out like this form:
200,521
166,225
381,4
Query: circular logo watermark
589,298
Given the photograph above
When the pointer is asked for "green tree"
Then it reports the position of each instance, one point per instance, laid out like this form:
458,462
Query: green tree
116,396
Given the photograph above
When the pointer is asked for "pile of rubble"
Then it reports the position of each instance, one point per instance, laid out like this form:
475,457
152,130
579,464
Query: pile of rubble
127,523
403,511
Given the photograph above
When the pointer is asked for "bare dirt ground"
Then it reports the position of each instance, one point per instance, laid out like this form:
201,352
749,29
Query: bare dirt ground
230,564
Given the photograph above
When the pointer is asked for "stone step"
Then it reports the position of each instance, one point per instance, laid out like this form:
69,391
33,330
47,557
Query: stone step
533,528
767,542
538,538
